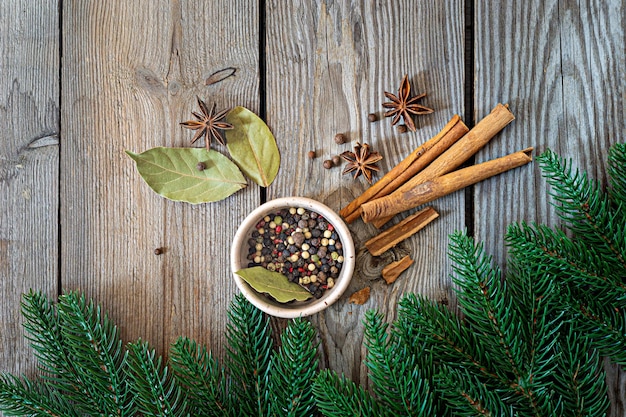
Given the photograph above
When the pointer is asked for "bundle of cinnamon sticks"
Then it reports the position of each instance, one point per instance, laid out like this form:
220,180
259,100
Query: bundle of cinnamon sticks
430,171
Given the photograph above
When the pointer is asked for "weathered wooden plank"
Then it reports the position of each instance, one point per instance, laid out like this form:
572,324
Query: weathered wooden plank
132,71
328,64
29,163
559,64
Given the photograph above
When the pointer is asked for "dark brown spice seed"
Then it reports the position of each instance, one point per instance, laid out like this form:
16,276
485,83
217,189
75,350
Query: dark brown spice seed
311,154
336,160
372,117
328,164
340,138
158,251
201,166
402,128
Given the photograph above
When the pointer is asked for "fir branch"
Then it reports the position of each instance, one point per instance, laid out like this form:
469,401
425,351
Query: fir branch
588,288
575,260
155,390
96,351
339,397
484,299
204,381
78,351
427,327
581,379
617,172
248,356
586,209
44,333
294,368
469,396
23,397
398,382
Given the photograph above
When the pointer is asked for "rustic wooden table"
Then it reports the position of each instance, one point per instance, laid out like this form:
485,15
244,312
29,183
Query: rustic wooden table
81,81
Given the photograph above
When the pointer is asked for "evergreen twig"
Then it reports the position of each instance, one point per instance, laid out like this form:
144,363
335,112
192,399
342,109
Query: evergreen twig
249,355
294,368
154,388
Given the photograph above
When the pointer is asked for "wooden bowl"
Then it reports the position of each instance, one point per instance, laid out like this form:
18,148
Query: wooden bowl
239,252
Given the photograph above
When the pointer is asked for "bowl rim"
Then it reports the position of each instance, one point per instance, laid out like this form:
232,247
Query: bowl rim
306,308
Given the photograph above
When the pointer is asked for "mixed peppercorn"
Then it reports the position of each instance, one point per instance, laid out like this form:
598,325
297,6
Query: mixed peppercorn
300,244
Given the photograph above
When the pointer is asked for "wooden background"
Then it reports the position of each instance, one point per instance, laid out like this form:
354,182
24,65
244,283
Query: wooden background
81,81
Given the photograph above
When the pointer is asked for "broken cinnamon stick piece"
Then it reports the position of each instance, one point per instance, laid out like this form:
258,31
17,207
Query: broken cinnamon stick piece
460,151
392,271
431,190
408,167
360,297
397,233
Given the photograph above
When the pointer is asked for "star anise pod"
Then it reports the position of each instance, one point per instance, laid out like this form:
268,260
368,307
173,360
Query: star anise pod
208,124
404,106
361,161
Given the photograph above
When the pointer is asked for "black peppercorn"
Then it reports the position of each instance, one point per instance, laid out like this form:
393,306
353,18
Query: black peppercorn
402,128
158,251
340,138
372,117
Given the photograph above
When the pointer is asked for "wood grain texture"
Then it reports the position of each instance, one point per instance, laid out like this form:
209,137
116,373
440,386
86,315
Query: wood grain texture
560,66
328,64
132,71
29,163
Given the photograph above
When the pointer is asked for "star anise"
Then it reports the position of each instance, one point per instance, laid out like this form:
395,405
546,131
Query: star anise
404,106
361,161
208,124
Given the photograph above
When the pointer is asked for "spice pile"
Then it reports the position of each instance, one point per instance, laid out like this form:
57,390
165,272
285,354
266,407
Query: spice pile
300,244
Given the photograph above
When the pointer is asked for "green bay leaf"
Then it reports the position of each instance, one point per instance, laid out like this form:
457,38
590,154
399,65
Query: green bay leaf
273,283
173,174
252,146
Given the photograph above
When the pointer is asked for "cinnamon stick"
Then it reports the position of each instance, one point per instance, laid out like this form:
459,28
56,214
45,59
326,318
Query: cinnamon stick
392,271
397,233
440,186
408,167
460,151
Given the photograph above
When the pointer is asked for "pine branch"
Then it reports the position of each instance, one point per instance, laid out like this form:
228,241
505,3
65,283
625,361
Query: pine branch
588,288
617,172
44,333
79,353
339,397
424,326
96,351
398,382
586,209
581,378
249,353
23,397
201,376
294,368
155,390
484,299
469,396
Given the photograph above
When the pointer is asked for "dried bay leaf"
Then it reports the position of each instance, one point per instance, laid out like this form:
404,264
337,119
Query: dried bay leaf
252,146
173,174
273,283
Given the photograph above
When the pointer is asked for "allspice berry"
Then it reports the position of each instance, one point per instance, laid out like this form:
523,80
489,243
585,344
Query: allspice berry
158,251
311,154
336,160
402,128
201,166
328,164
340,138
372,117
